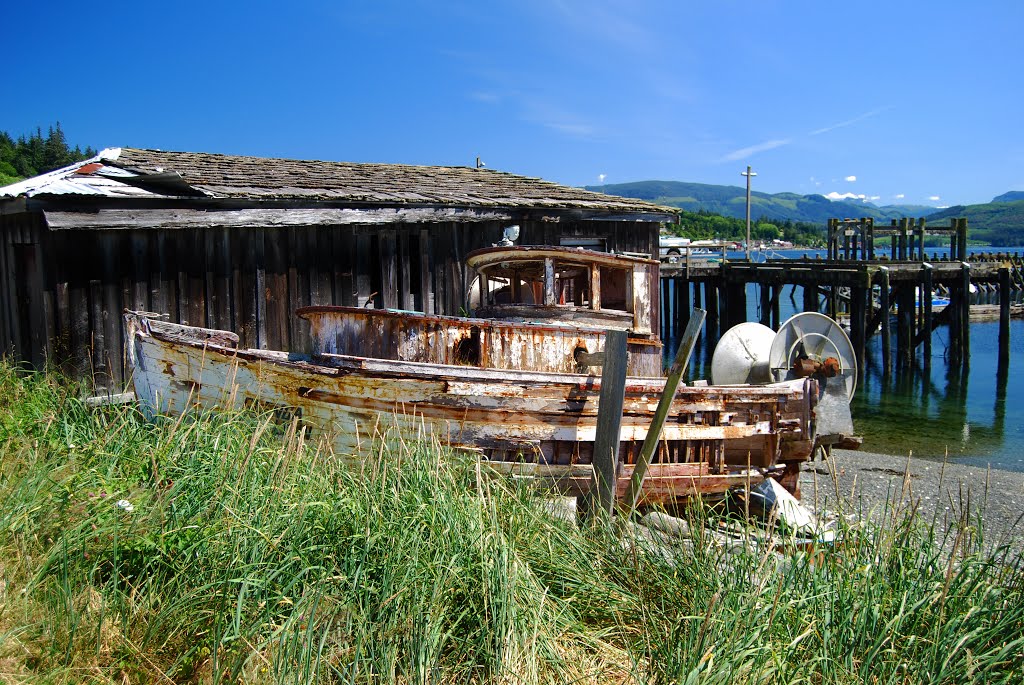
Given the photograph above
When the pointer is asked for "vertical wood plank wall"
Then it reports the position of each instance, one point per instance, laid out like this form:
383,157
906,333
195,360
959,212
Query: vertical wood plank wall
62,292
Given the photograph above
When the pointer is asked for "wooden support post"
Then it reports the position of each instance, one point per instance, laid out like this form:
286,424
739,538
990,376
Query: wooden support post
961,234
965,313
1004,314
903,239
696,293
893,241
666,306
601,496
736,302
766,304
858,322
711,305
905,323
883,300
810,297
953,312
776,296
675,374
680,303
926,289
920,238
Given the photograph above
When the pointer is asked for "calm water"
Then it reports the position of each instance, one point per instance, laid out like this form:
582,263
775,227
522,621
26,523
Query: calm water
975,417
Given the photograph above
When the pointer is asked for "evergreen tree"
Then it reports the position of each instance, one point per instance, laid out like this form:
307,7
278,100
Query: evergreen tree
37,154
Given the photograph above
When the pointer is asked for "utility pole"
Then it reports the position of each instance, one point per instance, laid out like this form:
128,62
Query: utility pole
748,173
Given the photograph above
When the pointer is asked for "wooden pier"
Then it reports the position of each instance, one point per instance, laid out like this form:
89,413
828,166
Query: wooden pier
871,290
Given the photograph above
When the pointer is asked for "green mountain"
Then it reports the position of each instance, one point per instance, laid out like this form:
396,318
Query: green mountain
732,201
996,223
1000,222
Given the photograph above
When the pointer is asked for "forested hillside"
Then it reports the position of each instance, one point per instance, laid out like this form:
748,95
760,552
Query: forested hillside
996,223
36,154
701,225
731,201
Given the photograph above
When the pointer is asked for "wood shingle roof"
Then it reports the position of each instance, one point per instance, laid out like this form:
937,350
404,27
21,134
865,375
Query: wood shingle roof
258,178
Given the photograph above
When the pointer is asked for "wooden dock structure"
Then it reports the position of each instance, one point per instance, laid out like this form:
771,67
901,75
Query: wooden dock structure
871,288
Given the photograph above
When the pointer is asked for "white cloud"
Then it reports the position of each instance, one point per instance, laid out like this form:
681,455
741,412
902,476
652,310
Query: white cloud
601,178
850,179
845,196
875,197
815,181
899,196
934,198
754,149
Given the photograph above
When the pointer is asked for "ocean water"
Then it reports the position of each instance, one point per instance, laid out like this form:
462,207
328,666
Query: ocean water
974,416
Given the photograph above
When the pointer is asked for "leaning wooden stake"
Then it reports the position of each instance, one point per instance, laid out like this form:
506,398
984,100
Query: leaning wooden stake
675,374
609,422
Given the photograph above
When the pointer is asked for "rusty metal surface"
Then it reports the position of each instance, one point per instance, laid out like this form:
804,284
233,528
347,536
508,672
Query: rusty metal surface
485,343
540,418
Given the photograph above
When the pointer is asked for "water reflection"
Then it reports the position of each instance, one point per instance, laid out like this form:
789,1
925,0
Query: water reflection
972,415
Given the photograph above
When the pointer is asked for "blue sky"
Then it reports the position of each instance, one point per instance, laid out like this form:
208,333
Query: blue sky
898,102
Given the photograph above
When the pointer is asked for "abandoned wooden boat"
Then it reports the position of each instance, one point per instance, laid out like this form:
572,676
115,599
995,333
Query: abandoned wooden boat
512,383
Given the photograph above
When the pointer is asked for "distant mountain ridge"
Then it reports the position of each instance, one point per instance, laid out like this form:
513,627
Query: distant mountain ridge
732,201
1000,222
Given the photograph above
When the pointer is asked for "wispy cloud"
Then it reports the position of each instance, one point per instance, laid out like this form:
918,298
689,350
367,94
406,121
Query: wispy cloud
899,196
850,179
605,21
850,122
934,198
754,149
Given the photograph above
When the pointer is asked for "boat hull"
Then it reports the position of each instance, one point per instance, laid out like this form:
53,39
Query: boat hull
527,423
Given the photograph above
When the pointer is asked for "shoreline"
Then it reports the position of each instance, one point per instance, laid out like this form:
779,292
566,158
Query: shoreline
854,482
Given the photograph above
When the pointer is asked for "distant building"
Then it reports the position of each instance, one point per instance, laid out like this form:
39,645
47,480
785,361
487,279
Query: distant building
239,243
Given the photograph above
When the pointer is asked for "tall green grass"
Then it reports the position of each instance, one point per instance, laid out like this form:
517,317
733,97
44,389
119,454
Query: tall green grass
253,555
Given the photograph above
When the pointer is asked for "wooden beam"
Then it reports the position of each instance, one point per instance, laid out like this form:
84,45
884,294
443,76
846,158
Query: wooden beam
1004,314
965,311
601,497
121,219
675,375
883,301
927,325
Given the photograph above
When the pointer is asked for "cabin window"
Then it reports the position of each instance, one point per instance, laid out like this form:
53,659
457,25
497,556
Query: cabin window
615,289
572,284
595,244
514,283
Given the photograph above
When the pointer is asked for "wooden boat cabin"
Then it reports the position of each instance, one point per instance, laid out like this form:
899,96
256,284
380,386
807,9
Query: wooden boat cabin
534,309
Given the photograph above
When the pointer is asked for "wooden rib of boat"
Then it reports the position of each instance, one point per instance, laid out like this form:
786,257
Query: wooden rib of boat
514,387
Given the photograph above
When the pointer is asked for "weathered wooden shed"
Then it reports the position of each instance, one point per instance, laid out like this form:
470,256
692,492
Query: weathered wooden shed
239,243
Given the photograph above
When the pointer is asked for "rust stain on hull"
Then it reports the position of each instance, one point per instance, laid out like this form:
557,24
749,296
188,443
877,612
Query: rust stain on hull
539,419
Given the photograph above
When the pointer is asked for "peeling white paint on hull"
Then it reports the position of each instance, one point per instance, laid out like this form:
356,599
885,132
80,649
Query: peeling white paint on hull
536,423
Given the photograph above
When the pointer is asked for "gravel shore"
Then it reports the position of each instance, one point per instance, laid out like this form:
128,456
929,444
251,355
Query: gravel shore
852,482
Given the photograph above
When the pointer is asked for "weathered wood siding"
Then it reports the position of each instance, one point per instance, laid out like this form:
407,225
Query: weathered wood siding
62,291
